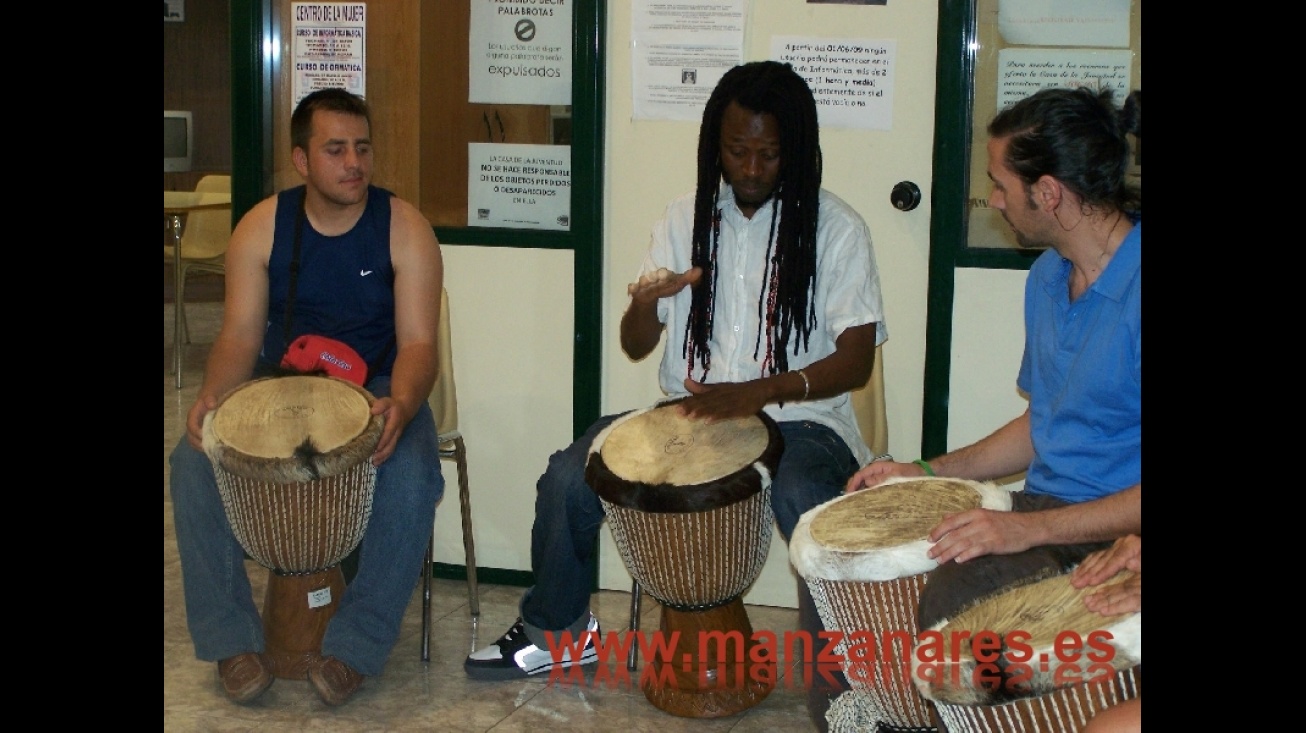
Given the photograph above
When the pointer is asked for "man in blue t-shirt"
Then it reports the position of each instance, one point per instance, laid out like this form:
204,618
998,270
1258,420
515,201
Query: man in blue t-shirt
343,259
1058,161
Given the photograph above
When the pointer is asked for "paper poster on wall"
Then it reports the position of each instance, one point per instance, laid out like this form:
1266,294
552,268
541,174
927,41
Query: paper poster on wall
519,186
851,78
519,52
329,47
1023,71
679,51
1101,23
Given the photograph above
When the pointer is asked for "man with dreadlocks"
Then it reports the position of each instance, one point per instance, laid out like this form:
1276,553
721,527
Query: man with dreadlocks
767,288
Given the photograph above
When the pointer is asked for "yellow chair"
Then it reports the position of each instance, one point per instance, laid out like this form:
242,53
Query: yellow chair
872,421
444,404
203,246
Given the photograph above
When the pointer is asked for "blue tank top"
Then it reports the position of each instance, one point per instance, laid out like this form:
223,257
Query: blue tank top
345,288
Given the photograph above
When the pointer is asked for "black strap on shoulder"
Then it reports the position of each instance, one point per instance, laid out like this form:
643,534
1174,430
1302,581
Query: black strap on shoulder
294,266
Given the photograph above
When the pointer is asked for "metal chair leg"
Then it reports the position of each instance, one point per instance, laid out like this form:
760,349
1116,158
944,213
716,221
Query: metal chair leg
632,661
469,542
459,454
180,297
426,598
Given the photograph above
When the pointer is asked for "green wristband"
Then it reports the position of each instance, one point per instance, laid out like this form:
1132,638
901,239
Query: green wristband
925,465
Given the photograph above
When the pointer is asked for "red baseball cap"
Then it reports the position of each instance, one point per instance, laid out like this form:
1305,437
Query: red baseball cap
310,353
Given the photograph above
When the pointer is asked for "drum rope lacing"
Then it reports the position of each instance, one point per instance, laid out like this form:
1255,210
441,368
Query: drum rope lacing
1063,710
881,608
299,529
706,569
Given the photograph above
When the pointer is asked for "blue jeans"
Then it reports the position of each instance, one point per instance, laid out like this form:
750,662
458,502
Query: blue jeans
813,469
220,610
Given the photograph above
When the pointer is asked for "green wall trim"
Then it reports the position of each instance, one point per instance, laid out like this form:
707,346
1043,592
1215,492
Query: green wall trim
952,104
496,237
495,576
251,89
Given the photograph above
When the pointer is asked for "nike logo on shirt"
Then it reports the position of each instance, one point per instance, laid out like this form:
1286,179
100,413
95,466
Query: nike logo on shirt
365,273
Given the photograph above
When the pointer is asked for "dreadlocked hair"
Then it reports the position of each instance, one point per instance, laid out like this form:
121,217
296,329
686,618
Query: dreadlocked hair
786,301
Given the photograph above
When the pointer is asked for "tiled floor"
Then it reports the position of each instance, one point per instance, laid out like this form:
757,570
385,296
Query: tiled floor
412,695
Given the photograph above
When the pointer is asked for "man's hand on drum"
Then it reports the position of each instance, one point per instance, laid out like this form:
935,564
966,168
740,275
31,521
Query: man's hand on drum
977,532
1123,597
1125,553
662,284
396,418
723,400
195,420
877,472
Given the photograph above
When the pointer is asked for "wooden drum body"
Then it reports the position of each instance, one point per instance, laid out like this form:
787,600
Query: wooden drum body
292,459
689,504
863,557
1031,658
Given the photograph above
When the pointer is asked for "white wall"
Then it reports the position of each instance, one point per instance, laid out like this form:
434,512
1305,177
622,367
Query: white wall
987,340
511,322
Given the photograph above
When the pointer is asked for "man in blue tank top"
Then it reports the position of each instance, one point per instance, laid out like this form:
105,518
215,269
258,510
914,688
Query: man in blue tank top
368,273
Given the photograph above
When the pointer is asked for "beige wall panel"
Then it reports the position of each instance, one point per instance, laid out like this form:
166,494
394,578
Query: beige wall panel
512,322
988,338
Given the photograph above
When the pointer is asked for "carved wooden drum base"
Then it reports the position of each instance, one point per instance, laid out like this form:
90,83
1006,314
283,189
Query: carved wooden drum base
702,678
296,609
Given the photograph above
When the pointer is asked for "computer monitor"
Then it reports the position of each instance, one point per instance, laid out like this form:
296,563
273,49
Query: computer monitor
178,141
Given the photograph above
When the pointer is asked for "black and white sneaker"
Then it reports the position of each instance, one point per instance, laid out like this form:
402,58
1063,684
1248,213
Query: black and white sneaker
513,656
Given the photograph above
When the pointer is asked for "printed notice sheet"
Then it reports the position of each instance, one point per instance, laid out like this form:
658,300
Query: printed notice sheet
1023,71
519,186
851,78
1101,23
519,52
679,51
329,47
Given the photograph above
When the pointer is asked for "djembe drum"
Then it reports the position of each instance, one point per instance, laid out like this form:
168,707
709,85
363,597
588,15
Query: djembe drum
689,504
863,557
292,458
1031,658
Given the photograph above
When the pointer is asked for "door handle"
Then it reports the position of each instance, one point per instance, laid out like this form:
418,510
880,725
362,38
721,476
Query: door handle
905,196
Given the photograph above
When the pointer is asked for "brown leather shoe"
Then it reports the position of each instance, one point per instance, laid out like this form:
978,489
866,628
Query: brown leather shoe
334,680
244,676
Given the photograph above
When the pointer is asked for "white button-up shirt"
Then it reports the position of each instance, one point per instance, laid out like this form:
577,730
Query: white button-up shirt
847,294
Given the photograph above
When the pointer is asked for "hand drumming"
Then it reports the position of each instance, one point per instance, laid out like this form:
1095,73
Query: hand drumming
1125,553
662,283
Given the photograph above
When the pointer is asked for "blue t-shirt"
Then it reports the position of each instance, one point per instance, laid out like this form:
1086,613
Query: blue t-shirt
1083,369
345,289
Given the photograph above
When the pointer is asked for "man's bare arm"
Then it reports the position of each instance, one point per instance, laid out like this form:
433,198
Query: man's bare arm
848,368
1006,451
244,314
419,280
